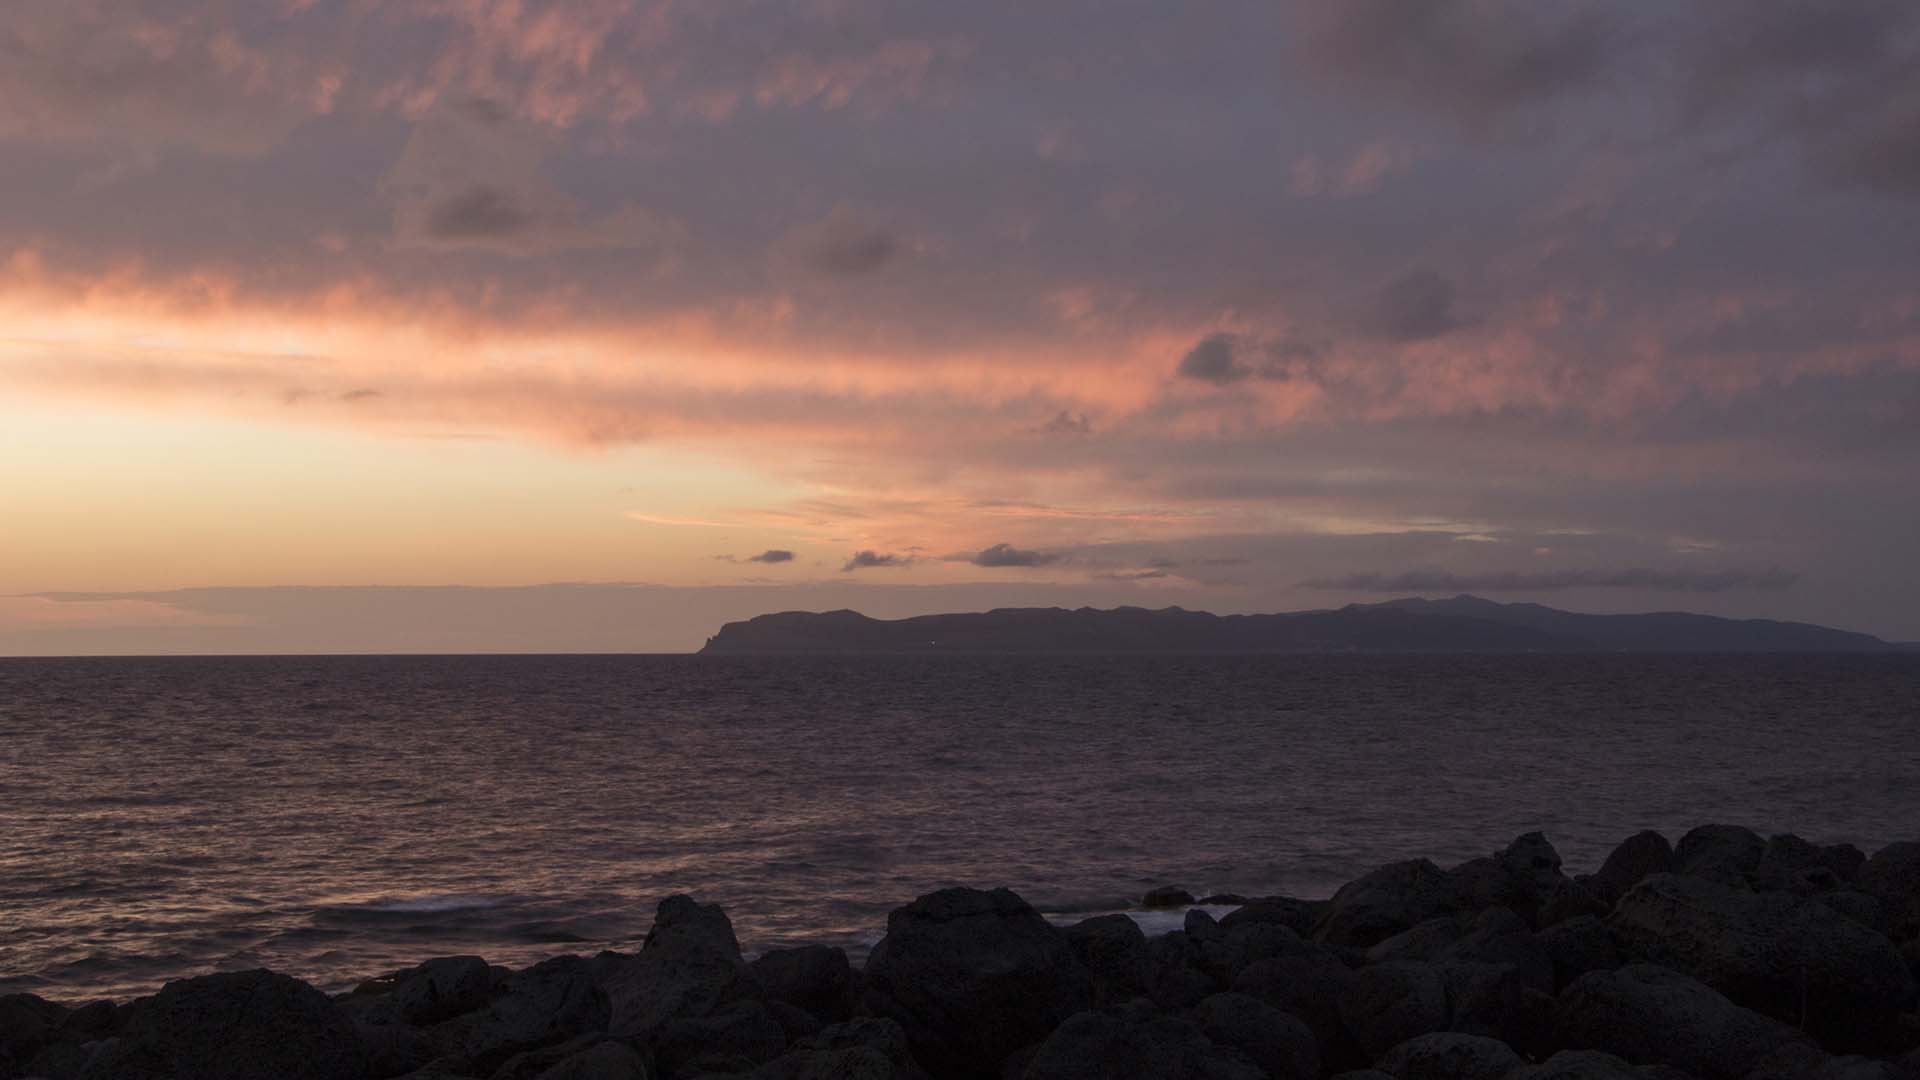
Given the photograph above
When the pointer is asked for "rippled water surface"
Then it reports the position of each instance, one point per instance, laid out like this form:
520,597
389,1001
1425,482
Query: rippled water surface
337,817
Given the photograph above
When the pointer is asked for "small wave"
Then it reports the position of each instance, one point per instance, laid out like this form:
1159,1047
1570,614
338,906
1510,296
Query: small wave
419,905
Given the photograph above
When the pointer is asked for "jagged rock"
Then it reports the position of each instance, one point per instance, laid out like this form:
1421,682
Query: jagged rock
1645,852
1726,854
1393,898
1387,1004
1790,958
1579,1065
816,978
1093,1046
1280,1043
1578,946
1651,1015
1300,916
1166,896
1892,876
870,1048
1790,864
972,977
241,1025
548,1003
1447,1055
1114,951
1223,899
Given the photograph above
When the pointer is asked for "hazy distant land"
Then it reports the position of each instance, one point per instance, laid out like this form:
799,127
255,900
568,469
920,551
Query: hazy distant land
1463,624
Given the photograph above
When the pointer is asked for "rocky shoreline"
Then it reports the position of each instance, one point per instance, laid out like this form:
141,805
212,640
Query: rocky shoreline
1728,956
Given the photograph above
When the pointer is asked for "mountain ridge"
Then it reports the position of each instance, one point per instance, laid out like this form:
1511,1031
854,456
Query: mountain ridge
1458,624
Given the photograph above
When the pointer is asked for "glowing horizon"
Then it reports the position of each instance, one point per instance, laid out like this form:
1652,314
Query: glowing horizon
1268,308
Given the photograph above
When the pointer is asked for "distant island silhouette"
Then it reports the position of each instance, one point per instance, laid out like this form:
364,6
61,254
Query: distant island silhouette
1462,624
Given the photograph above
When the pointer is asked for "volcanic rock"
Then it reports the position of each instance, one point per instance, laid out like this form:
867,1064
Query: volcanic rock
240,1025
972,977
1651,1015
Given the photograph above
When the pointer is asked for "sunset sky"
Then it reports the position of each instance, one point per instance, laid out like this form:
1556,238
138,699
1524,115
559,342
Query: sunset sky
342,325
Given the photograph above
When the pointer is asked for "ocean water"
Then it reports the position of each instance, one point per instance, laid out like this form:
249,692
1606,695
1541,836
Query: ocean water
339,817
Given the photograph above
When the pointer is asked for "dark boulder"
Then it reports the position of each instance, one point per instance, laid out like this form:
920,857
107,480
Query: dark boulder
1578,946
1568,899
870,1048
1393,898
1486,882
1113,949
972,977
394,1049
734,1038
1095,1046
441,989
1579,1065
796,1022
606,1060
1305,979
28,1024
1449,1055
1653,1016
1892,876
1531,858
816,978
1175,971
1280,1043
1791,958
1844,860
241,1025
1166,896
1231,951
1726,854
1494,936
1858,906
549,1003
1200,927
688,967
1645,852
1387,1004
589,1057
93,1021
1300,916
1790,864
1223,899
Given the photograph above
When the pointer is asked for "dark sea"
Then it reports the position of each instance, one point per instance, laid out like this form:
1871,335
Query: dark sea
335,818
